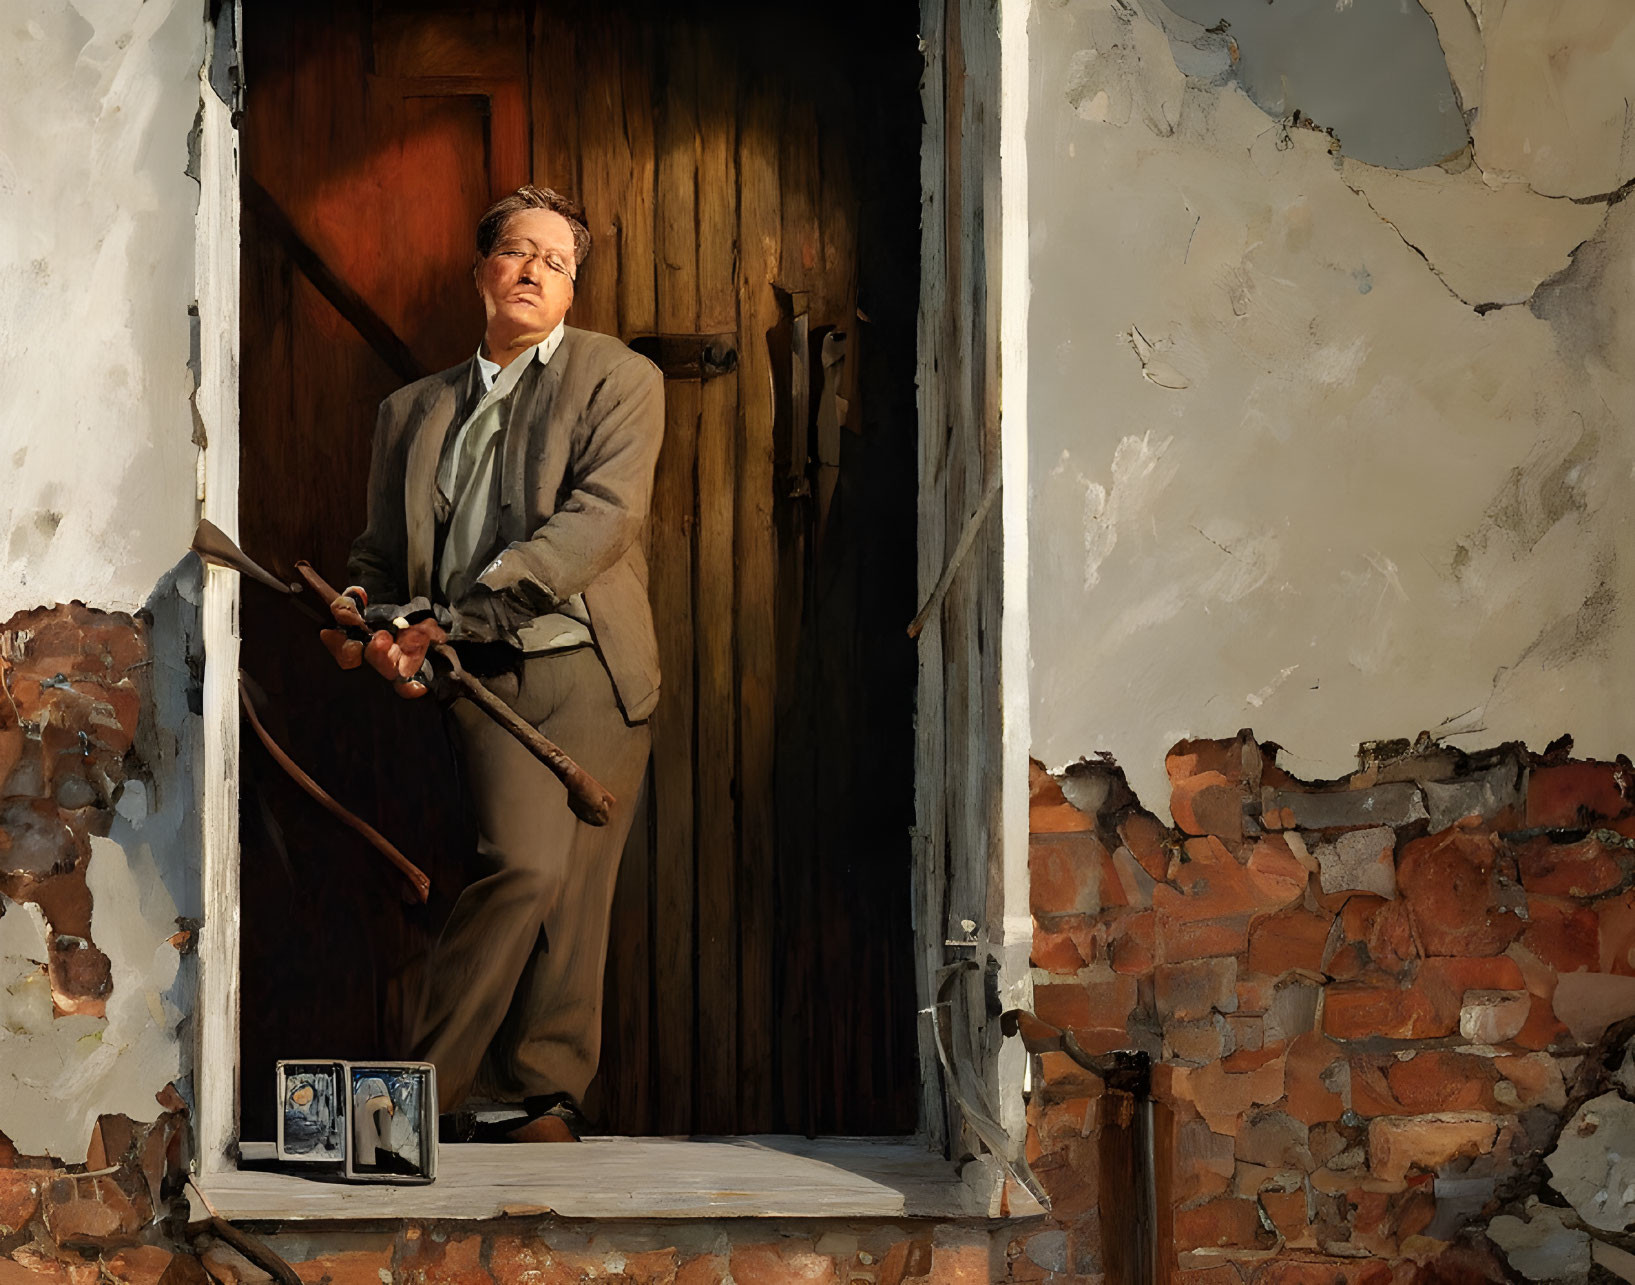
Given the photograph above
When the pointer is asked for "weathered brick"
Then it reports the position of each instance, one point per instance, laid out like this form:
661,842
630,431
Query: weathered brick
1435,1080
140,1265
1313,1072
1617,934
1226,1222
1494,795
81,978
1219,1095
455,1260
1054,950
1564,935
1287,1212
1574,794
1277,874
713,1269
1397,1145
1371,1093
1456,976
1208,803
1198,1042
1243,1060
1204,1161
1274,1139
1583,869
1533,1079
1060,1121
1393,805
1365,1009
19,1199
1359,861
1292,938
1131,945
1450,883
962,1257
1293,1010
1146,838
90,1212
1064,874
1391,938
1208,910
1493,1017
1101,1003
1542,1029
1189,991
27,1267
1357,914
1049,812
1248,1029
348,1267
1237,759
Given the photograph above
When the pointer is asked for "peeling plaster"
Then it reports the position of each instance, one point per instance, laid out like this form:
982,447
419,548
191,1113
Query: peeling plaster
1373,73
1490,243
96,267
1375,506
58,1074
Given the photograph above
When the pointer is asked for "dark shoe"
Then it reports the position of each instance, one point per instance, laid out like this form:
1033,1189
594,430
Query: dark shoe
554,1117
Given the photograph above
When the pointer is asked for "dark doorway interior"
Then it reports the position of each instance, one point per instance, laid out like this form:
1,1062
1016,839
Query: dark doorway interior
750,172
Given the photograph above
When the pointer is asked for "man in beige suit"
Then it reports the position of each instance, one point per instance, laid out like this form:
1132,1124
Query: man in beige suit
506,501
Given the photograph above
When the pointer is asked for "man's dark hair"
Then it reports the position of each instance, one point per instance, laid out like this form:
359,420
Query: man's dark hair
530,197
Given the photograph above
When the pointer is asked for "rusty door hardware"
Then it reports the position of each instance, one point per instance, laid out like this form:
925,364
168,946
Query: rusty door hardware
700,357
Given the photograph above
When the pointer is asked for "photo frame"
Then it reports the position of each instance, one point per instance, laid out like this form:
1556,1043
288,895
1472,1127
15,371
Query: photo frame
391,1113
312,1116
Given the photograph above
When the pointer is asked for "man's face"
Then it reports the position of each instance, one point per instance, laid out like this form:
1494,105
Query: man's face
526,280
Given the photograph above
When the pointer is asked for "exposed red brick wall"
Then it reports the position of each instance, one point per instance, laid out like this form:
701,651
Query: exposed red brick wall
72,686
101,1220
1349,992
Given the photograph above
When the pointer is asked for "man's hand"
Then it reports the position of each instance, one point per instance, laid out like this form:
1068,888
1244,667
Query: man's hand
342,643
399,659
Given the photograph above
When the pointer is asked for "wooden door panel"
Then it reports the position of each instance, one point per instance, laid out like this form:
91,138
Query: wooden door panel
758,978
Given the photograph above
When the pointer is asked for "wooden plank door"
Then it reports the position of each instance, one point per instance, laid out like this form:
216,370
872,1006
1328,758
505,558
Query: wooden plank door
759,976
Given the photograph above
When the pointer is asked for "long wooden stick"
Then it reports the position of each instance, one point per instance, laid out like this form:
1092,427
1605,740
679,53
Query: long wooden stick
588,798
413,873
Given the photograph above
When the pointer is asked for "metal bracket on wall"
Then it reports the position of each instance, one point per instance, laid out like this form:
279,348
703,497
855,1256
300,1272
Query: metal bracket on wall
700,357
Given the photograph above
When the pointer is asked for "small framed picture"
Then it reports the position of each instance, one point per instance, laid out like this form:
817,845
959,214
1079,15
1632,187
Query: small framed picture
311,1112
392,1109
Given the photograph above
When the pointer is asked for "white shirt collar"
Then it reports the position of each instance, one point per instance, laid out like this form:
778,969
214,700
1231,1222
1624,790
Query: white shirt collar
543,351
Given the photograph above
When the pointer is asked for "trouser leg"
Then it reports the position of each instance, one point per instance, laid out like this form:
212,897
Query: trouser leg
519,964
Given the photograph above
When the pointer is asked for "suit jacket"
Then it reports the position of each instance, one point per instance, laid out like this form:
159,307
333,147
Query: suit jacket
580,443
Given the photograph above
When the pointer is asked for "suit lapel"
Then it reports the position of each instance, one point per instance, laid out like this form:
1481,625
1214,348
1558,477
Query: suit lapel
420,478
526,418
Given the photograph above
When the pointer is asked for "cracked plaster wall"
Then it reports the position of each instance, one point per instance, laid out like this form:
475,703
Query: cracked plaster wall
97,98
1330,449
96,277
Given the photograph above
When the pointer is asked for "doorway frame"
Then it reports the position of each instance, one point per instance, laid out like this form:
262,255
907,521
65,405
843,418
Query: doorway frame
973,561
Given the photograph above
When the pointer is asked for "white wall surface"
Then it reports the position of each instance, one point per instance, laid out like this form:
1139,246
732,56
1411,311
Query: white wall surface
1285,472
97,98
96,275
